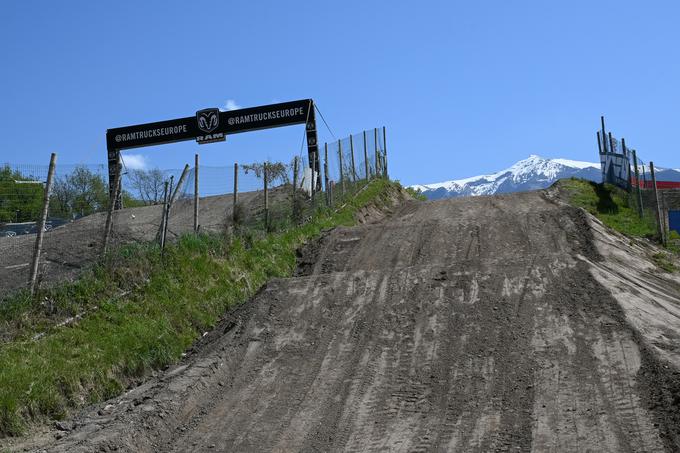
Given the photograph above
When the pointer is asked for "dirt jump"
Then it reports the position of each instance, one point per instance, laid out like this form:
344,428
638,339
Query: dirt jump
503,323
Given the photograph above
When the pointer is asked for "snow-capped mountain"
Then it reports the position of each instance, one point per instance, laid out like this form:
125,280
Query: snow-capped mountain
532,173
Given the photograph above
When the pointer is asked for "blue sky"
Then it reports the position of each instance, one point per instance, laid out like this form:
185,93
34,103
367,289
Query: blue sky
463,87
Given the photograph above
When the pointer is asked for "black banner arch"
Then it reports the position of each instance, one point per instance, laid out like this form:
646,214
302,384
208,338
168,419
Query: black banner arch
212,125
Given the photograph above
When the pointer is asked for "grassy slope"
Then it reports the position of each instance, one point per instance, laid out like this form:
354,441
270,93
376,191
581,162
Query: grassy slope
141,314
609,204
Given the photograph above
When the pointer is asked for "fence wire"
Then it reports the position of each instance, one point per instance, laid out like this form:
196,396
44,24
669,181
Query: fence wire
158,205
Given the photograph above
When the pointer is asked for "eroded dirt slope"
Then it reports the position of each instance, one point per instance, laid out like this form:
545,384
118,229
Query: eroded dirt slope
476,324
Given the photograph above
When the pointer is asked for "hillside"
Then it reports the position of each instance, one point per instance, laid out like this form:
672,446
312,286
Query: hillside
514,322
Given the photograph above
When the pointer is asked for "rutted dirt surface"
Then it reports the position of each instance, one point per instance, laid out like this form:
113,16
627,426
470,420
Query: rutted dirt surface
477,324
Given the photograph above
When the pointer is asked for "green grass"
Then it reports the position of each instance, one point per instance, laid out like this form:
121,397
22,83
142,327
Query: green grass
142,312
611,205
416,194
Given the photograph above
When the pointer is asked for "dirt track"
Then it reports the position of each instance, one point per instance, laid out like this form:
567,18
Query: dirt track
476,324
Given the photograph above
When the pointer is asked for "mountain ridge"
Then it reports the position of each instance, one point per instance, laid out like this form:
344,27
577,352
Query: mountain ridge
534,172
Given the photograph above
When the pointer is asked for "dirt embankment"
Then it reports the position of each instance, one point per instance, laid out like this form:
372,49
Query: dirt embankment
478,324
71,248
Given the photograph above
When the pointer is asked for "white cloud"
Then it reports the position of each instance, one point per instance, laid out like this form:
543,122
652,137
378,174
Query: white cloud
231,105
135,161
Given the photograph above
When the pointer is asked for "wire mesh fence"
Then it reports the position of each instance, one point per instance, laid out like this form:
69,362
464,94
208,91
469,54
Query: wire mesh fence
649,193
158,205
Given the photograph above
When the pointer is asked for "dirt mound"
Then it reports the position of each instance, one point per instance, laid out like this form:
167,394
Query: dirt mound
505,323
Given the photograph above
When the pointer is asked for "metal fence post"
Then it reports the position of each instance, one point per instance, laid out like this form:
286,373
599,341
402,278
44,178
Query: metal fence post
637,183
368,174
659,219
196,198
41,225
351,148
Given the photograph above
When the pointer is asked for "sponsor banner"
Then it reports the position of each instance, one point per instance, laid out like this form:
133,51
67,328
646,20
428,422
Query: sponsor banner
210,122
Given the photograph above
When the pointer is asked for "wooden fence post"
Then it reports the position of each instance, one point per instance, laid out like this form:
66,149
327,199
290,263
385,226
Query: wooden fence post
41,225
377,156
637,183
196,197
368,174
354,170
659,219
235,202
325,172
266,198
167,211
112,207
180,183
295,184
165,207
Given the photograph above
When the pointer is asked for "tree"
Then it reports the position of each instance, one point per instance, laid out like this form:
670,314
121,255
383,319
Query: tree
148,184
79,193
276,171
20,196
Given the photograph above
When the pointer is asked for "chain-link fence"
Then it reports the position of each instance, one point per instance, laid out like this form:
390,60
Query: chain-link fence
160,205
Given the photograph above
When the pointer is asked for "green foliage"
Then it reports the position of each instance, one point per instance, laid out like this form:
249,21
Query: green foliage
663,260
611,205
140,313
276,171
79,193
416,193
19,202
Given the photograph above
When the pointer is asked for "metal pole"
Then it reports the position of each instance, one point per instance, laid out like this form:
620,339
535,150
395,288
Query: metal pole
637,183
385,151
112,207
659,219
351,148
625,154
604,134
611,143
599,144
266,199
41,225
196,198
368,175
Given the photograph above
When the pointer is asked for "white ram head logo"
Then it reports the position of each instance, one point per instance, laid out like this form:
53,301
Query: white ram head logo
208,119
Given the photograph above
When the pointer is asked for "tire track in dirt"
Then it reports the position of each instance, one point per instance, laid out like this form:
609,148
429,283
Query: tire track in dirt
462,325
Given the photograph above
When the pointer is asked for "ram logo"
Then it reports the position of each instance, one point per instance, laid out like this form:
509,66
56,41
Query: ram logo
208,119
